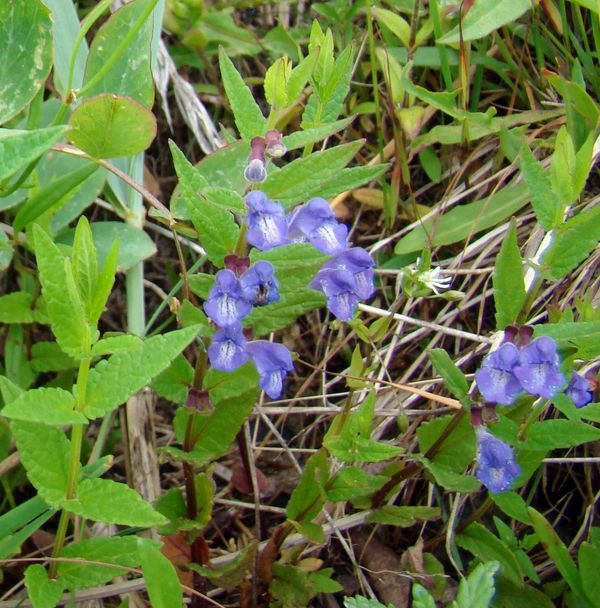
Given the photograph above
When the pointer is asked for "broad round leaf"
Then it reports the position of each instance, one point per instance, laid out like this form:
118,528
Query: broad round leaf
26,51
108,126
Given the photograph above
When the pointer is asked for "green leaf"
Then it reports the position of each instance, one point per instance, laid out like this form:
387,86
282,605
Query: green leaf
544,200
17,148
10,391
98,124
402,517
63,303
573,242
477,590
232,396
299,139
421,597
488,547
512,504
131,74
249,120
112,381
295,266
276,83
308,496
104,283
458,449
562,170
43,592
509,286
218,232
557,552
112,550
449,479
589,558
396,24
552,434
116,344
455,380
45,198
304,177
112,503
465,221
45,453
191,181
53,406
85,263
484,17
352,482
16,308
585,335
26,45
232,574
175,382
299,77
134,245
350,178
160,575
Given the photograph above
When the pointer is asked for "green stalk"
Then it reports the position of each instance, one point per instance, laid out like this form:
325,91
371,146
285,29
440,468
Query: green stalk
375,80
127,40
74,463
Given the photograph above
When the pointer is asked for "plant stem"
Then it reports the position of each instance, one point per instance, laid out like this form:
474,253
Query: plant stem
74,463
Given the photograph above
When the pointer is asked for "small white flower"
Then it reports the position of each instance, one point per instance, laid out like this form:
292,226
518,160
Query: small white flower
431,278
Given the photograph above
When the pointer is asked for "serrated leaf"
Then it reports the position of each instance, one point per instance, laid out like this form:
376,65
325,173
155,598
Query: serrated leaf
402,516
545,202
17,148
98,124
455,380
488,547
112,550
308,496
552,434
509,286
477,590
249,120
112,381
295,266
10,391
26,43
304,177
116,344
300,76
350,178
85,263
191,182
448,479
562,169
299,139
161,578
174,383
104,283
573,242
485,17
43,592
53,406
131,74
458,449
112,503
16,308
276,83
63,304
352,482
45,453
218,232
465,221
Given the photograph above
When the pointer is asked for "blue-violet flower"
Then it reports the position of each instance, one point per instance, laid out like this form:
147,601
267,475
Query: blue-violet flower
273,362
339,287
579,390
496,466
496,378
227,351
226,304
256,170
267,226
538,369
315,223
259,285
360,263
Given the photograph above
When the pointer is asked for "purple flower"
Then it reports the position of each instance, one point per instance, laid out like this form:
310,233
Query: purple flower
226,304
267,227
339,287
259,285
227,350
538,370
273,362
315,222
496,466
256,170
580,390
274,144
360,263
496,378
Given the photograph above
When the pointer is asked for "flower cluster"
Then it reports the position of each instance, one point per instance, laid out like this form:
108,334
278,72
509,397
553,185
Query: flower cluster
230,300
346,278
510,370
